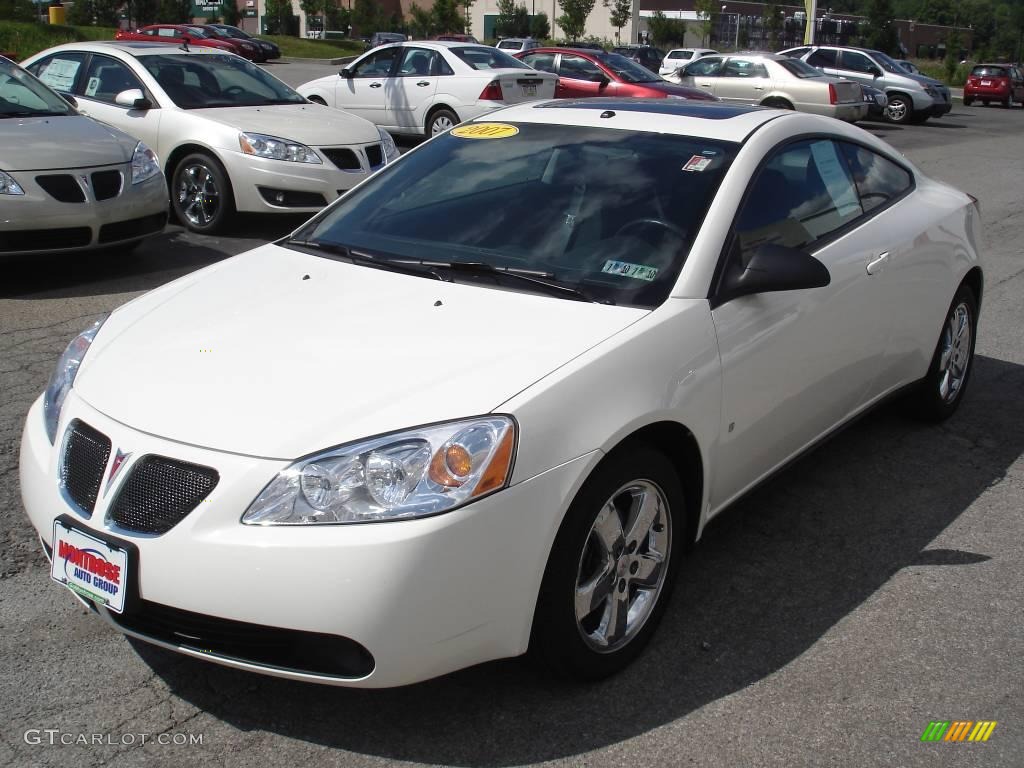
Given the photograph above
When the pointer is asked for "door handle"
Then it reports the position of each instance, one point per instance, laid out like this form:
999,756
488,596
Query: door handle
758,87
422,83
874,267
375,85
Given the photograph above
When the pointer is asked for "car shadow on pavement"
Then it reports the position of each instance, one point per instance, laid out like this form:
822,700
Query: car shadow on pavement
771,576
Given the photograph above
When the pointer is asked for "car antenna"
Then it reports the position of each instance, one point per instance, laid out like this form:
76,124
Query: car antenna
184,46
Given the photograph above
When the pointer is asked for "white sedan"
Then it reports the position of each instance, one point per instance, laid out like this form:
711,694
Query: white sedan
680,57
484,402
229,136
427,87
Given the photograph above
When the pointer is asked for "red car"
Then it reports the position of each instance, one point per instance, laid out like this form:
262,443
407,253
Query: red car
994,82
583,72
183,33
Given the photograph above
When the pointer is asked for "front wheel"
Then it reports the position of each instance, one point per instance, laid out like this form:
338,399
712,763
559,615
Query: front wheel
441,121
201,193
968,101
899,109
611,568
942,389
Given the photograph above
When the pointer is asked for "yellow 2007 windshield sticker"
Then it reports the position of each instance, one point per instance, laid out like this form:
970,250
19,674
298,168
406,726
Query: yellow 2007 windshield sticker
485,131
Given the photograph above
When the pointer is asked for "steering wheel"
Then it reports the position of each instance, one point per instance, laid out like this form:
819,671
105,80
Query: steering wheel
647,223
233,90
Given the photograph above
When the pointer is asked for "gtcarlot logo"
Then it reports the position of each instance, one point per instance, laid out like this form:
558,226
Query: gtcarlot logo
958,730
52,737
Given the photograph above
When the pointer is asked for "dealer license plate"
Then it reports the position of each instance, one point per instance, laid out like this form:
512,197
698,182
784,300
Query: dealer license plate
529,90
986,82
90,567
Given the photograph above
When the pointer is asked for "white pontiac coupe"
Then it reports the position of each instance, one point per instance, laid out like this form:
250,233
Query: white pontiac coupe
483,403
427,87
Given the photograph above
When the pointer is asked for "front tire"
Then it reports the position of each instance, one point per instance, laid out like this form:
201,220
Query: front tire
968,100
899,110
201,193
440,121
940,392
612,566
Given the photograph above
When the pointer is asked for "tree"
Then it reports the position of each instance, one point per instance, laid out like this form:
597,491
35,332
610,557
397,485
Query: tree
311,8
665,31
145,12
102,13
230,13
447,17
573,20
278,16
18,10
338,17
705,11
173,11
365,16
540,27
505,22
467,21
421,22
621,13
772,24
882,35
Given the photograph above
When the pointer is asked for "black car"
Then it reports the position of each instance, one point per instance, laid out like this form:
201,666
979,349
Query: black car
268,49
644,55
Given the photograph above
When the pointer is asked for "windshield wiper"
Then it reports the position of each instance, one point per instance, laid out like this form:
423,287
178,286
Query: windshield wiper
337,250
535,277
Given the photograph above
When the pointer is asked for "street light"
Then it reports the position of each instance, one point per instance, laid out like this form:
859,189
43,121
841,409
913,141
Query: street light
736,45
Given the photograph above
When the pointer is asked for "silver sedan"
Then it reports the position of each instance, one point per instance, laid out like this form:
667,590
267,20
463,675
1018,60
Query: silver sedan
772,80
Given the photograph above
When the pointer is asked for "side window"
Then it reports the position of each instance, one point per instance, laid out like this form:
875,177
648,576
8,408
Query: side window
823,57
579,68
802,194
166,32
709,66
106,78
378,64
416,62
796,53
743,68
856,62
879,181
61,72
442,67
545,62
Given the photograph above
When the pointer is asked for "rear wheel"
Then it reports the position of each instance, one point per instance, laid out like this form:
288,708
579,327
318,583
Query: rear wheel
899,109
440,121
778,104
940,392
611,568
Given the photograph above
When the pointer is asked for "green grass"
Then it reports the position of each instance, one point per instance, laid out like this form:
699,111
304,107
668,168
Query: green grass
314,49
937,69
25,38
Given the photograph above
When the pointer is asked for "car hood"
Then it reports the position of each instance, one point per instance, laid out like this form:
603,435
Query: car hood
312,124
670,89
277,354
29,143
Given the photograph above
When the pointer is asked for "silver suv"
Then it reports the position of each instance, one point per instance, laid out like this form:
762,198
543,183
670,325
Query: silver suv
912,98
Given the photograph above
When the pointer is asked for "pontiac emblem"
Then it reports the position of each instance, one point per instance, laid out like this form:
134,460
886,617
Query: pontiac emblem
115,467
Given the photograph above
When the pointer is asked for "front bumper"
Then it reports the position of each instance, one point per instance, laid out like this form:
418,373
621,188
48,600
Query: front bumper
36,222
423,597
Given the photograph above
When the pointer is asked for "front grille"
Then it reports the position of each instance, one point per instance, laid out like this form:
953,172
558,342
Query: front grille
159,492
45,239
375,155
343,157
287,649
62,187
106,184
125,230
81,470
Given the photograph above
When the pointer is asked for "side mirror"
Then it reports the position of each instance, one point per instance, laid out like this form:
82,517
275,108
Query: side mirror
134,99
774,268
69,98
602,81
875,72
347,72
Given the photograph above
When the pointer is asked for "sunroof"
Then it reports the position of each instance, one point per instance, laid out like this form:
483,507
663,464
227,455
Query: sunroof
681,107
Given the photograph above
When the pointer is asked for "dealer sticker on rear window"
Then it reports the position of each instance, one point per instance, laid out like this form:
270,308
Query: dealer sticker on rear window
697,163
636,271
485,131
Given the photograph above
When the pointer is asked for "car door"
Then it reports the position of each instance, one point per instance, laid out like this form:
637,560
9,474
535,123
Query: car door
703,73
366,92
795,363
742,81
105,77
413,86
825,59
854,65
1017,84
579,77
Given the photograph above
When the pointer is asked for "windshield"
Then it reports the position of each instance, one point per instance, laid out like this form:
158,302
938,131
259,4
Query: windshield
21,95
197,32
798,68
487,58
610,214
217,80
627,70
889,65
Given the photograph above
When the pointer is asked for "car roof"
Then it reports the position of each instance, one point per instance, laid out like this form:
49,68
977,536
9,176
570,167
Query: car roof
432,44
994,64
137,48
711,120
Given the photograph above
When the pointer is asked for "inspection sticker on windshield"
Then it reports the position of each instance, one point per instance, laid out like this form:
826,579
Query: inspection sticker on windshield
636,271
697,163
485,131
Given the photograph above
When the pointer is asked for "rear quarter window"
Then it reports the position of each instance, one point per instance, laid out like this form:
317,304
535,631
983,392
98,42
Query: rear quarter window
879,180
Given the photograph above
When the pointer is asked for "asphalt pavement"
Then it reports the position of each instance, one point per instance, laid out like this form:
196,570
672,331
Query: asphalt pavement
824,620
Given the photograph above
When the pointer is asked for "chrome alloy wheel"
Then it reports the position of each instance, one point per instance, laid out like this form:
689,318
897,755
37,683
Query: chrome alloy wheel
198,196
623,566
440,125
956,353
896,110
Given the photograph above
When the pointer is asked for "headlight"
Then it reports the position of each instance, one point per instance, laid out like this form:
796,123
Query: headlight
8,186
390,150
409,474
276,149
145,164
64,376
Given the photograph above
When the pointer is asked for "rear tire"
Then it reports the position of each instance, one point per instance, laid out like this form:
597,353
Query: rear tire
440,121
940,392
612,566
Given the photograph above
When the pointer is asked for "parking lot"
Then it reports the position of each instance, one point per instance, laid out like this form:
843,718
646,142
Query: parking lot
826,619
